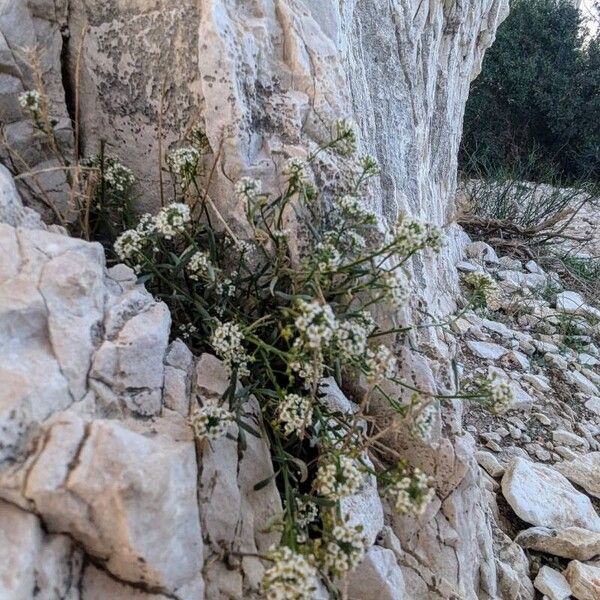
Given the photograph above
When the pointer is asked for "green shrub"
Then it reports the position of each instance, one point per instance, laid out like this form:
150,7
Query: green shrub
538,92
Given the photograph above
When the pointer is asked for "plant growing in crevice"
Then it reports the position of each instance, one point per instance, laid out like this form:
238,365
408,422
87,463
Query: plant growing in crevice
286,305
483,290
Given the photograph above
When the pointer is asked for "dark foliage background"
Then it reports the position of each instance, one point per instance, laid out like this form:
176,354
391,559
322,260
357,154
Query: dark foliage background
535,107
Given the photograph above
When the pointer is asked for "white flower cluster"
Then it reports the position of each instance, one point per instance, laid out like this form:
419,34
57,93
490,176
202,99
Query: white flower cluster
290,577
394,290
316,324
187,330
118,176
306,512
184,163
129,246
345,550
227,342
412,493
115,175
351,338
411,235
352,208
172,219
31,101
369,165
295,412
485,285
479,280
198,265
338,478
211,421
380,364
345,136
248,188
280,234
225,288
327,257
295,168
423,421
501,395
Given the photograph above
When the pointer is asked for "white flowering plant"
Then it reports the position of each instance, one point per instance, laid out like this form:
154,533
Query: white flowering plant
483,290
285,302
109,207
283,313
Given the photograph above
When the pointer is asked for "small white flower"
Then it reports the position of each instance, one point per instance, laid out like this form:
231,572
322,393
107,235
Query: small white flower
198,265
345,550
352,208
327,257
338,478
394,290
187,330
227,342
316,324
226,288
146,225
184,163
31,100
295,412
412,493
211,421
412,235
351,338
290,577
306,512
380,364
172,219
248,188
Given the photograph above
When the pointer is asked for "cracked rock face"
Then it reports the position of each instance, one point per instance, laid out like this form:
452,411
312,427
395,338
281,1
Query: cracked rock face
104,493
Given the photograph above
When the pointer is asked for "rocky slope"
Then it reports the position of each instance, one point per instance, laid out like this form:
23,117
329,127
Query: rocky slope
540,458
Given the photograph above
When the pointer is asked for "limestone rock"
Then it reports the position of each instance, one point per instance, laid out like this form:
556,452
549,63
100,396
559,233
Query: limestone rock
12,211
512,568
487,350
583,471
98,585
552,583
581,382
34,563
377,576
131,483
519,279
51,306
584,580
542,496
229,473
482,252
490,463
570,542
569,302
